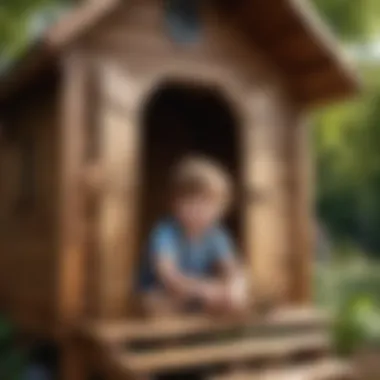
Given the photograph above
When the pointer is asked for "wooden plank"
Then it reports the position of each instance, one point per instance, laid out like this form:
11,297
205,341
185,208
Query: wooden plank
27,241
248,217
119,159
327,369
71,198
301,209
297,49
71,238
315,82
175,328
131,17
266,207
308,67
213,354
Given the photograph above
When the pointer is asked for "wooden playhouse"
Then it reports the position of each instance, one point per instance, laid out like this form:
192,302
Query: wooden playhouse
92,118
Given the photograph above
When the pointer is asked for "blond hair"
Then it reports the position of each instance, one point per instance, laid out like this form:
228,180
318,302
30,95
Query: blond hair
197,175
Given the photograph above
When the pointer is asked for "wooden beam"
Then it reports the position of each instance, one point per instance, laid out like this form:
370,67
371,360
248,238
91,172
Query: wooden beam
175,328
154,361
71,265
297,48
317,82
285,32
325,97
327,369
302,69
117,225
301,211
316,87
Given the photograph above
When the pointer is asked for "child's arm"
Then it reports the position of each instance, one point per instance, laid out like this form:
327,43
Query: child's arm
175,282
228,267
231,274
185,288
225,257
163,259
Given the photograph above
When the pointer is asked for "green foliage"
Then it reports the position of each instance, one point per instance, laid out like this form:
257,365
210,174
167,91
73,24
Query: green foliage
349,290
12,360
347,137
352,20
357,325
346,140
349,331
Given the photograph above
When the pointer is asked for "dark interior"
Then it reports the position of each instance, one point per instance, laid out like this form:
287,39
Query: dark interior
178,120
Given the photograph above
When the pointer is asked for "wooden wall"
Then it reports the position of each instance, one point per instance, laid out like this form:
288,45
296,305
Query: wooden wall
28,208
132,54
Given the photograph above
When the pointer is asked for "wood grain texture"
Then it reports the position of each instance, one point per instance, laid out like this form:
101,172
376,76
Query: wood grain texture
117,332
28,239
266,206
117,224
233,351
326,369
71,262
301,206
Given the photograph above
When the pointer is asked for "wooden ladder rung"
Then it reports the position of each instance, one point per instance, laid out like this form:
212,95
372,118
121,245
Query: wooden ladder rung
187,326
178,358
328,369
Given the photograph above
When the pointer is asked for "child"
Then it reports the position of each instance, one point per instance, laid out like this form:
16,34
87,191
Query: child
191,261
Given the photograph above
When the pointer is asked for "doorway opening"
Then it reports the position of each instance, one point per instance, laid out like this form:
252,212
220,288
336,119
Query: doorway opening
181,119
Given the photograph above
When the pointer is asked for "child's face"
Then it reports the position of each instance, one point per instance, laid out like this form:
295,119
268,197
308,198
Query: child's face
197,212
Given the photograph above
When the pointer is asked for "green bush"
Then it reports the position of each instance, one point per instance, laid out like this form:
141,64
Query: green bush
350,291
350,329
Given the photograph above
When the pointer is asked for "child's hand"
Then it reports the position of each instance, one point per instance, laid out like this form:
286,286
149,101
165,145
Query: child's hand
237,296
213,296
229,298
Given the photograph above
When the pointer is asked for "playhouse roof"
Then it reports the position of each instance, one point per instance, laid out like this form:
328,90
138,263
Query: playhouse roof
289,31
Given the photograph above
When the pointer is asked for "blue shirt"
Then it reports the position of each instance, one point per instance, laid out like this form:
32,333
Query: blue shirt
195,259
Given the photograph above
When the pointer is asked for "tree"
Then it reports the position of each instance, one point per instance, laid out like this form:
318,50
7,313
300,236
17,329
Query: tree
347,136
352,20
347,140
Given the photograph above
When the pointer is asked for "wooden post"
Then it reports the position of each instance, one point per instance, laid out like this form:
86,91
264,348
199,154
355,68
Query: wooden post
301,211
266,203
248,218
119,152
72,214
